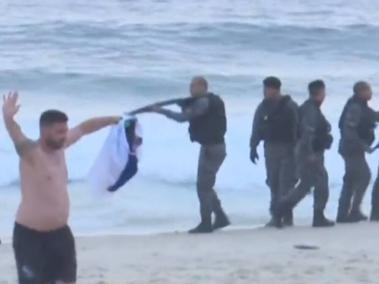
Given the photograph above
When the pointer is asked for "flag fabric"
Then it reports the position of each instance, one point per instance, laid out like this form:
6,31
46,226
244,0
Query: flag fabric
117,161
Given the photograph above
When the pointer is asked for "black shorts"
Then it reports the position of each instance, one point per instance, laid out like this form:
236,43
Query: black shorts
44,257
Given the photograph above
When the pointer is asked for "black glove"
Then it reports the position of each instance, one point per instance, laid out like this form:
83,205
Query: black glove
254,155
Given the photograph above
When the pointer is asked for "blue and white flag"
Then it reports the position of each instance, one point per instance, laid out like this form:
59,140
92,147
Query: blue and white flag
117,161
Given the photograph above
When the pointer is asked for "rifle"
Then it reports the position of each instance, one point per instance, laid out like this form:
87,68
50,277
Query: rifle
181,102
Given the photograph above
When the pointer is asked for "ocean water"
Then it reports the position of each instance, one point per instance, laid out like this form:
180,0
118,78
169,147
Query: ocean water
105,57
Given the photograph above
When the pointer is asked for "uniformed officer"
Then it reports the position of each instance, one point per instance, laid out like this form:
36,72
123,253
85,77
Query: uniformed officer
357,125
314,138
276,122
207,126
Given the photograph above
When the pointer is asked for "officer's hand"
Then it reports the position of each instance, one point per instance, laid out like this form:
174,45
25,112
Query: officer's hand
254,156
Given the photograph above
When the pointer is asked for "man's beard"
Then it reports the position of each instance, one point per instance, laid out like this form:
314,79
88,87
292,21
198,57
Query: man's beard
55,145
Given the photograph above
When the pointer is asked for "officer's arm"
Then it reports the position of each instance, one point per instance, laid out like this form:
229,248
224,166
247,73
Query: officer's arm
197,108
350,127
256,133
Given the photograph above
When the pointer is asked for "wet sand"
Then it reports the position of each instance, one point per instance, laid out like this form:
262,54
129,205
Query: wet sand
345,254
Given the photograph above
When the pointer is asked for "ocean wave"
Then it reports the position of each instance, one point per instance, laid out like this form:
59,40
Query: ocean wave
90,86
57,32
164,52
323,13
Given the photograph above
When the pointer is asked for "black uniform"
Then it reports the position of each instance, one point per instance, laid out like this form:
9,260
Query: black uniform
209,130
208,125
314,139
276,123
357,125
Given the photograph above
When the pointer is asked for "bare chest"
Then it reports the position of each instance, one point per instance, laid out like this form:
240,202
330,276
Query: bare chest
46,169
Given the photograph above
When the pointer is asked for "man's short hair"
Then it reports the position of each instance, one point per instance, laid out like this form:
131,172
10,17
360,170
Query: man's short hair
360,86
202,80
272,82
50,117
315,86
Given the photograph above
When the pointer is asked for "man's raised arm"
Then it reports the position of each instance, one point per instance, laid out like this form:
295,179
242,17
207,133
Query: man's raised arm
10,108
89,126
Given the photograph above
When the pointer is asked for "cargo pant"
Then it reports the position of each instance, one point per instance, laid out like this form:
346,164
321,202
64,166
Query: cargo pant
312,175
355,182
281,173
210,160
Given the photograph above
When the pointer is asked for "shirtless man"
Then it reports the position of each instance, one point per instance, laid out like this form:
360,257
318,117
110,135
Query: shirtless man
43,243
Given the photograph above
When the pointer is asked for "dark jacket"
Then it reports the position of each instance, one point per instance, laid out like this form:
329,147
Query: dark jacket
314,129
357,125
210,127
206,116
275,122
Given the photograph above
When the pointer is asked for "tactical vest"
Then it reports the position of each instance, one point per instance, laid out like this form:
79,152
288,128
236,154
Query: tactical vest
210,128
367,124
322,139
279,124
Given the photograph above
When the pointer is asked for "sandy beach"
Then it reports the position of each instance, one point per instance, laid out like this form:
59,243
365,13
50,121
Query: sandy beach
347,254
